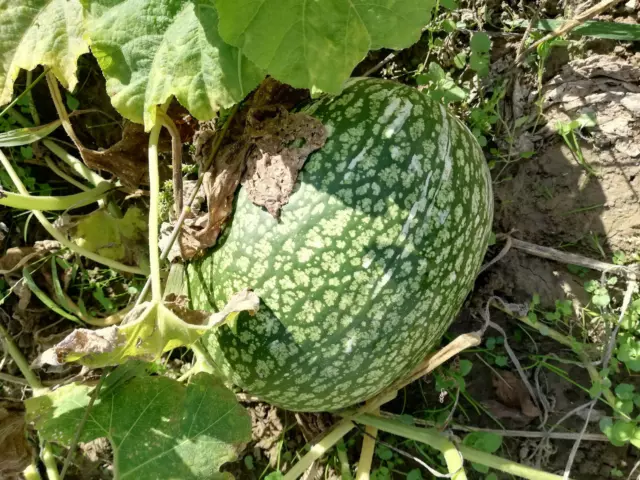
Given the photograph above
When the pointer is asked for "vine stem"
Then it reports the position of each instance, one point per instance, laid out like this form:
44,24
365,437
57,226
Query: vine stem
568,26
55,233
573,344
31,472
14,352
76,165
68,178
176,159
81,425
56,96
187,208
154,201
345,469
440,442
567,258
49,461
67,202
24,92
455,463
27,91
366,452
320,448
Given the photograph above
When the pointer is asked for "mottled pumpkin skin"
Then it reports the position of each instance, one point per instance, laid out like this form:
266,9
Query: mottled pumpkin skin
370,261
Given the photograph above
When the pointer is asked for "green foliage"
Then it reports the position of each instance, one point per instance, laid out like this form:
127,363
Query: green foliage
628,351
599,293
590,28
40,32
567,130
479,59
620,432
157,427
414,474
174,51
72,102
24,136
441,86
317,44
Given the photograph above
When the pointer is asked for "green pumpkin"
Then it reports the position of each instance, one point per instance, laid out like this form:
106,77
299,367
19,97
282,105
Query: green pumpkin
370,261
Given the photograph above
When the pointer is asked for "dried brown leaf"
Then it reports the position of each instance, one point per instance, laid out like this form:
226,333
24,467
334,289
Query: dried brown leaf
17,257
16,451
127,159
282,142
512,392
259,150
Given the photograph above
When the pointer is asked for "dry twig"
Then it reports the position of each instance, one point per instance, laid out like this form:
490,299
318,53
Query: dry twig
568,26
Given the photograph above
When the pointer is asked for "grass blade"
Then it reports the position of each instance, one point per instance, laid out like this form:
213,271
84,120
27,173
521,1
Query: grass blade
44,298
592,28
25,136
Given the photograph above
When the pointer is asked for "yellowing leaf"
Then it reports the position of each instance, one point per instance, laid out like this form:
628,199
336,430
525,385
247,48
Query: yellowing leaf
114,238
150,50
146,332
40,32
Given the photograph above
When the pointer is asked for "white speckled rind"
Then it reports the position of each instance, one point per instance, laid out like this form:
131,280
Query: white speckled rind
370,261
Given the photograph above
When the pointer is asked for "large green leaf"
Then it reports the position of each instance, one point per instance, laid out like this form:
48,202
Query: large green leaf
316,44
150,50
158,427
40,32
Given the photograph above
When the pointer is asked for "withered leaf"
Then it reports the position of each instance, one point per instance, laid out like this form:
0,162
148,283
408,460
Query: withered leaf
264,148
512,392
146,332
127,159
282,141
16,451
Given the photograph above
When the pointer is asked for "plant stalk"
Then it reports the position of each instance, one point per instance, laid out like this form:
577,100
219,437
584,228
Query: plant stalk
319,449
76,165
14,352
440,442
56,96
49,461
53,231
366,452
31,472
345,469
68,178
187,208
154,202
572,343
24,92
68,202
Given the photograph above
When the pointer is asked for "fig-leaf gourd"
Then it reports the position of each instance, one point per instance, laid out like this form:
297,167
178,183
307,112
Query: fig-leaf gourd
370,260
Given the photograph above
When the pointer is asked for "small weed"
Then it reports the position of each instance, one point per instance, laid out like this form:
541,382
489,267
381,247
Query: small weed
568,131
